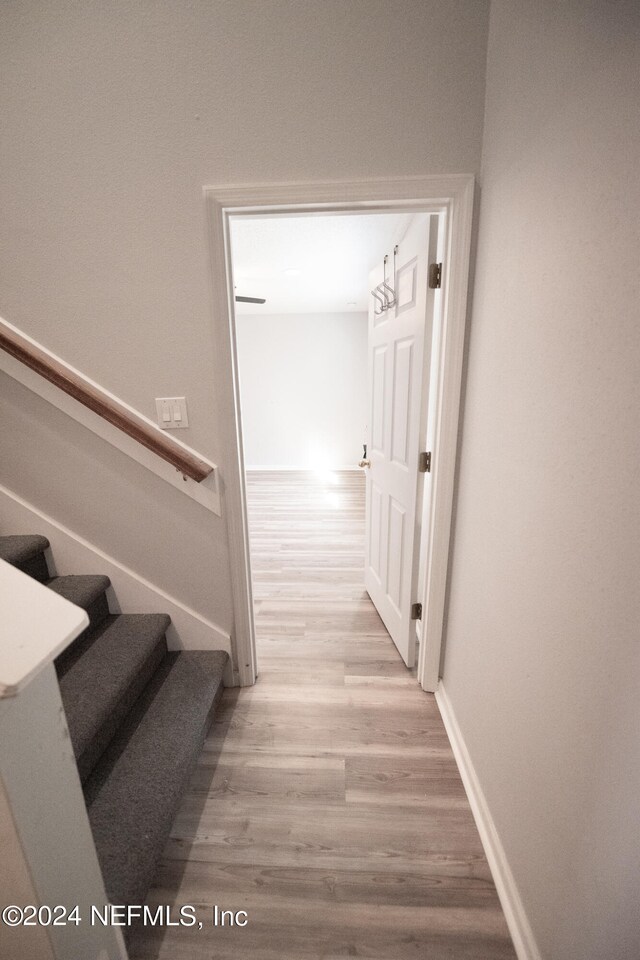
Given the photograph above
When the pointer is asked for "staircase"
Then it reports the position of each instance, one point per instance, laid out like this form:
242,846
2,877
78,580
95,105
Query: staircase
137,716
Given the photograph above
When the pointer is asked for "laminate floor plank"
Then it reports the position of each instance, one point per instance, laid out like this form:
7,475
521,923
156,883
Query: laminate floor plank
326,802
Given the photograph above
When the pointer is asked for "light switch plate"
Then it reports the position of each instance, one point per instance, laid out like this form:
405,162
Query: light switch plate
172,413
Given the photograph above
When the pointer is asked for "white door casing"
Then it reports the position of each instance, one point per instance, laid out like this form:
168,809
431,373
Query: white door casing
399,351
452,198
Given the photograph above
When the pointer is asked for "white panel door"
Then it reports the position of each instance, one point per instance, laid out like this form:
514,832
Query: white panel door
398,387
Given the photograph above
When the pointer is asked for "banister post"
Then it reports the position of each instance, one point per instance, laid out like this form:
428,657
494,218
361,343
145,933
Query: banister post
48,853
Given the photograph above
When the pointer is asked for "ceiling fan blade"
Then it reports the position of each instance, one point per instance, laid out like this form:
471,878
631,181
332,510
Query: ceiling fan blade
250,300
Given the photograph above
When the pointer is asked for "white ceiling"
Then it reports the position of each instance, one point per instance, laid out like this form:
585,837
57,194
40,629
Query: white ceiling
311,263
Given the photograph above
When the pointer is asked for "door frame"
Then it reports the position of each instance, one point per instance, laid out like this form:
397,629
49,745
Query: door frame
452,198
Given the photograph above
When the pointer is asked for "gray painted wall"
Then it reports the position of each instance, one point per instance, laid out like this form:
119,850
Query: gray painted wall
113,119
303,389
542,649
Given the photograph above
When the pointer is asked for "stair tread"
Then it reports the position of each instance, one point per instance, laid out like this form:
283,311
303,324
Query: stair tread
22,547
82,589
134,791
101,676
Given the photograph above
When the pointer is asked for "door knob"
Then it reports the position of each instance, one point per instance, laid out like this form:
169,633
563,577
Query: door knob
364,463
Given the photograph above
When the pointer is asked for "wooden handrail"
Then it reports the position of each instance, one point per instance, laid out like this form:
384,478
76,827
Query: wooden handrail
104,405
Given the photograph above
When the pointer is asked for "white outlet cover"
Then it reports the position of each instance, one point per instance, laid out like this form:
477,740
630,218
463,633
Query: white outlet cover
172,413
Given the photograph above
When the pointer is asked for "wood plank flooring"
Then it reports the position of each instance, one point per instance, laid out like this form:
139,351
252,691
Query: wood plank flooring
327,803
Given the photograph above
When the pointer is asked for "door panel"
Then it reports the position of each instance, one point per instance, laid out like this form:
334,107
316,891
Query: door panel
398,386
397,516
407,286
401,400
377,399
375,525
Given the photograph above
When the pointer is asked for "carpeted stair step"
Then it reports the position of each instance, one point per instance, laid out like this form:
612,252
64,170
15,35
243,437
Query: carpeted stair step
137,717
27,554
133,794
102,674
86,591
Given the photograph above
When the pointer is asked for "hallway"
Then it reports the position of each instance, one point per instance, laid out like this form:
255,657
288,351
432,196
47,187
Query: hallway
327,803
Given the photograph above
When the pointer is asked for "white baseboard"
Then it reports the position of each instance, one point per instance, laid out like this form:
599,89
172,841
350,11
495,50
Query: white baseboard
129,593
512,906
301,469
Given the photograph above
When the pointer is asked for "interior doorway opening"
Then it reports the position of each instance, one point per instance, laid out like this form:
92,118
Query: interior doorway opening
451,197
334,327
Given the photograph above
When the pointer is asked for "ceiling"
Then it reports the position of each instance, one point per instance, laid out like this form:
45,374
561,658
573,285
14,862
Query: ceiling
310,263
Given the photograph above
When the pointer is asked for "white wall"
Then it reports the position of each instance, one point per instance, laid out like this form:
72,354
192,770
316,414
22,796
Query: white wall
114,116
100,494
542,659
303,383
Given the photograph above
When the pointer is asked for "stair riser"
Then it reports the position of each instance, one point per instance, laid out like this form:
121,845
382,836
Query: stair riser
36,567
94,750
98,610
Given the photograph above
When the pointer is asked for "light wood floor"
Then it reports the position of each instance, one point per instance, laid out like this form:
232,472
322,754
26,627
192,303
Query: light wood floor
327,803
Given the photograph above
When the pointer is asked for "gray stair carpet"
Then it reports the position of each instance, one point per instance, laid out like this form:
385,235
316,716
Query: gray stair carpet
133,794
27,554
137,717
103,675
86,591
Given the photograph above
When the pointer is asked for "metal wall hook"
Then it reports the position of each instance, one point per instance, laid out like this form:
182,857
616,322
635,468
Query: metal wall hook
384,292
389,296
387,290
384,295
383,305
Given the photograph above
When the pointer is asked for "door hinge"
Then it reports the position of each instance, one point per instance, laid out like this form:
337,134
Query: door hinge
435,276
416,611
424,462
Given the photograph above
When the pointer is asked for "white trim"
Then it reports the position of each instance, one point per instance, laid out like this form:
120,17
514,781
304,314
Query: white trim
302,469
512,906
231,481
131,593
40,780
451,196
205,493
456,247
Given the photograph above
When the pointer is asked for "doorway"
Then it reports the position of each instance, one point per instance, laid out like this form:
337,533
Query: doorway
448,199
334,320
